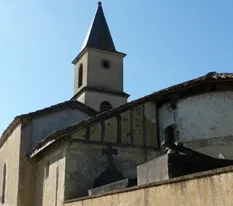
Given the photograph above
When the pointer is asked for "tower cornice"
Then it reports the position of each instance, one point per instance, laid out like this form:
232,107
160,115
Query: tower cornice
93,49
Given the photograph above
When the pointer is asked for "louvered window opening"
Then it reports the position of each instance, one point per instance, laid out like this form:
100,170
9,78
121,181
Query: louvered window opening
105,106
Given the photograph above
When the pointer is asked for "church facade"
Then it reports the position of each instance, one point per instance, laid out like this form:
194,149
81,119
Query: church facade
56,154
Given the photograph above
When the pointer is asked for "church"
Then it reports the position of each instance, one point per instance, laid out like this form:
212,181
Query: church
62,154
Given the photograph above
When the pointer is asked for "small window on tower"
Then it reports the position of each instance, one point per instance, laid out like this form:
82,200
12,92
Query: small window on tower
105,64
80,75
105,106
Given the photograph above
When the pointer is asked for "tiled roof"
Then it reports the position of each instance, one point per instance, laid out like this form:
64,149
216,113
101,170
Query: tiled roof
31,115
210,77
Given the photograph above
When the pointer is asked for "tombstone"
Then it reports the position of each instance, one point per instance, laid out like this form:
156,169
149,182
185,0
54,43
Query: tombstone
111,174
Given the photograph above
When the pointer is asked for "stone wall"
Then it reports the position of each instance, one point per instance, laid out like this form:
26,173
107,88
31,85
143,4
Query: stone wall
85,162
26,168
96,76
93,99
111,78
211,188
31,133
201,121
84,62
49,189
45,125
135,127
79,159
132,132
10,155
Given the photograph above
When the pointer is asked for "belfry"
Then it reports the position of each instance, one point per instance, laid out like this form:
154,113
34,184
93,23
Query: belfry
98,79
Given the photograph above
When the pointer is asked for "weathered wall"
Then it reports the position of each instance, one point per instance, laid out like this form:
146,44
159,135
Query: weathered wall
21,141
85,162
208,188
50,190
9,155
133,132
136,127
206,117
45,125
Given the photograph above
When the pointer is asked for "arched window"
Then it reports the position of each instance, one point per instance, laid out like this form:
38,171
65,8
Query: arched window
105,106
3,184
80,75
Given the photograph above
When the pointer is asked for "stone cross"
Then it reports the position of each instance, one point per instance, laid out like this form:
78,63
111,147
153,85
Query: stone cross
109,151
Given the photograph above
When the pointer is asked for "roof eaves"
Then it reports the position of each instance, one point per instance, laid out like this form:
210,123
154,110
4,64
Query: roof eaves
95,49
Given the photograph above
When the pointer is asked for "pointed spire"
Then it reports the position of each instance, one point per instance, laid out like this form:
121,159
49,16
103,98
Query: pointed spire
99,36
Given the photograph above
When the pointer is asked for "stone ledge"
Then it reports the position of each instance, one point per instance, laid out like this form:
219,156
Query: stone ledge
222,170
121,184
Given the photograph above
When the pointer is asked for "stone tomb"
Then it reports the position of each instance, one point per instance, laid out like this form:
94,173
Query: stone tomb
175,164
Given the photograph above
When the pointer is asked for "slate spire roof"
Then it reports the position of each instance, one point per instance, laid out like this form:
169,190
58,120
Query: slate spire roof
99,36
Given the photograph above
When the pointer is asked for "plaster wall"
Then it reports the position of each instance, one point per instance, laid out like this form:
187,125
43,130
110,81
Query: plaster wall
50,190
84,62
24,138
111,78
208,188
45,125
132,127
85,162
215,150
93,99
206,117
26,168
10,155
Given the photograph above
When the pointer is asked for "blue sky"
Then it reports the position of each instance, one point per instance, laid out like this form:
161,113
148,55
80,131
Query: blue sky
167,42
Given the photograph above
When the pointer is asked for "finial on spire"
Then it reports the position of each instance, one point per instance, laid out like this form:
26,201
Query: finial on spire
99,3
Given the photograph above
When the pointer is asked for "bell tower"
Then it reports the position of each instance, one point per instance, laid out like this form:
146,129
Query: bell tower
98,76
